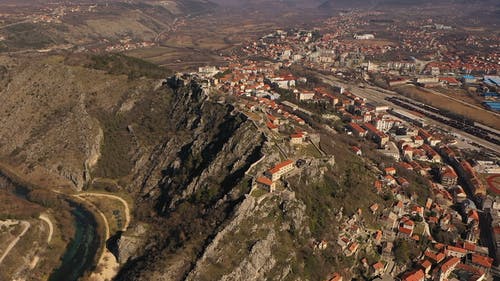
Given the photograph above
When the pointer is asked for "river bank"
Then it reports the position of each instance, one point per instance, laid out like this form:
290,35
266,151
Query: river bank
80,255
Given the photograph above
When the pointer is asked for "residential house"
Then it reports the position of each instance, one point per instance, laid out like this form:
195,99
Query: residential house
446,268
481,262
435,257
357,130
454,251
390,171
356,150
296,139
426,265
306,95
352,249
448,176
378,269
415,275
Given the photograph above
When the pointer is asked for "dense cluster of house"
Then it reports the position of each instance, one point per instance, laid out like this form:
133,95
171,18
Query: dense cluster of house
326,48
398,134
412,147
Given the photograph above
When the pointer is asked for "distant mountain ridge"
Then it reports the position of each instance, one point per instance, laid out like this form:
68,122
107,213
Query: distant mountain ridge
347,4
344,4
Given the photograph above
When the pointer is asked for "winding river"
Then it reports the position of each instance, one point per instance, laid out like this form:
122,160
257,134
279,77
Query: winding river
81,252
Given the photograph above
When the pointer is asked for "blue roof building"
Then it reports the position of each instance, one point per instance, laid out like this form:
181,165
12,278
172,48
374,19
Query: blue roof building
492,80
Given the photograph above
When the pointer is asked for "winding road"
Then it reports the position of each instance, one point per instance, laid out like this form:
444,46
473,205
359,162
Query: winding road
12,244
125,204
46,219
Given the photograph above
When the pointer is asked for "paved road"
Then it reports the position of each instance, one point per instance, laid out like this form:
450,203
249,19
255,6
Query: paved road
378,95
12,244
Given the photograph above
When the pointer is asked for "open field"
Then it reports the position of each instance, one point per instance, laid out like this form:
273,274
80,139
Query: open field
460,94
442,102
202,39
176,58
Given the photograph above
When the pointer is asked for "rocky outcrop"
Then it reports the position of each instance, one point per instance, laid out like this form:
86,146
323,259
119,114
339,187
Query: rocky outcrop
200,166
127,245
259,261
254,245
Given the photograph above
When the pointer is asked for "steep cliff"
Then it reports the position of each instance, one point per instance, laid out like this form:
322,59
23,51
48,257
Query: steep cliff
191,182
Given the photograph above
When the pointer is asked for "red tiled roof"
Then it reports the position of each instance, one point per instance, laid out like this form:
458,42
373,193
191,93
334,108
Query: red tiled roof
416,275
474,215
426,264
356,128
449,172
405,231
449,264
435,257
456,249
482,260
439,246
265,181
271,125
469,246
390,170
389,178
355,148
402,181
409,223
449,80
280,166
353,247
378,266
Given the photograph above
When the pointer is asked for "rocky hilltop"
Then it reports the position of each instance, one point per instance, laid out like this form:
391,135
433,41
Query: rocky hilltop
191,183
198,216
56,117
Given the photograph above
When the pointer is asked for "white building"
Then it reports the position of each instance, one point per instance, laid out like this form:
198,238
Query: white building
364,36
280,169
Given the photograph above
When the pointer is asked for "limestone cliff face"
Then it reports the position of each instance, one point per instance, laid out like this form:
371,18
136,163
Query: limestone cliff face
257,243
203,224
191,182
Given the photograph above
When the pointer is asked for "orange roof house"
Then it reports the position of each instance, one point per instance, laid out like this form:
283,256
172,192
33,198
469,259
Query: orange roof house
390,171
416,275
482,261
